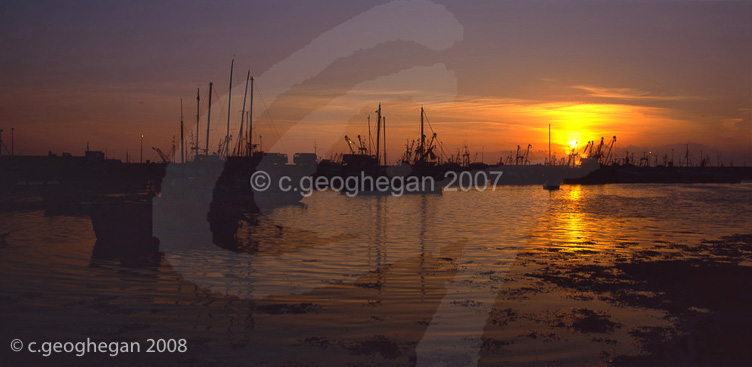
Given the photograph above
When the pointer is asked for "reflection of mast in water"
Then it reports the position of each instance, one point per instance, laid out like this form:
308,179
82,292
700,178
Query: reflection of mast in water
380,241
422,239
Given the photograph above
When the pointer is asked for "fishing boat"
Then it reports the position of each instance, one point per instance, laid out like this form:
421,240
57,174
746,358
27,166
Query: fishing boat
417,172
233,165
205,183
550,186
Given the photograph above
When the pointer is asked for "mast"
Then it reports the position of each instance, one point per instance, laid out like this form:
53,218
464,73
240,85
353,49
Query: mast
250,122
229,99
198,115
182,149
1,142
370,142
242,115
422,137
384,139
686,156
378,134
208,120
549,143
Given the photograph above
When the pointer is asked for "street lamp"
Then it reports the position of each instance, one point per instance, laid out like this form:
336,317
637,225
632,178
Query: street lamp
141,160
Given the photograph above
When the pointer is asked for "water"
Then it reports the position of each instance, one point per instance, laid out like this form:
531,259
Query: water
464,278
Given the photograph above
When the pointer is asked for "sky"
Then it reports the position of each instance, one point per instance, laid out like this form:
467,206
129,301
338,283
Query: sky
490,75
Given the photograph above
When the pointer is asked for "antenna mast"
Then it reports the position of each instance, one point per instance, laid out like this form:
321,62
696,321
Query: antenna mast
686,156
370,141
182,149
229,99
378,134
198,115
384,118
422,137
208,120
242,115
250,122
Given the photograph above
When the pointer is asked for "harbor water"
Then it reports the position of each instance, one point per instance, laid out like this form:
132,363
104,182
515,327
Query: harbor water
518,276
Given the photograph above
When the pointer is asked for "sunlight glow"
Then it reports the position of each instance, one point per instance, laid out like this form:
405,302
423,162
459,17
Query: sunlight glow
574,220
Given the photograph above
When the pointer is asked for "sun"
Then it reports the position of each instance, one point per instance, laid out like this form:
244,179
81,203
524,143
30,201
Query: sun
573,144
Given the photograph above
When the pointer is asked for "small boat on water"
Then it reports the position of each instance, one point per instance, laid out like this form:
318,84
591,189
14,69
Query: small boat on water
550,186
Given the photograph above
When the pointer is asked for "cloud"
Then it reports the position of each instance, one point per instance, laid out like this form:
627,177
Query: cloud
629,93
731,123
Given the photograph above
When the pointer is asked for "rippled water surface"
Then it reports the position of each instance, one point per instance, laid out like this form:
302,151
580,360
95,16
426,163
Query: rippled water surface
468,277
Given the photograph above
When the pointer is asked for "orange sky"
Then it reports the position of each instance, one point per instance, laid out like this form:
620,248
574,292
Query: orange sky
490,76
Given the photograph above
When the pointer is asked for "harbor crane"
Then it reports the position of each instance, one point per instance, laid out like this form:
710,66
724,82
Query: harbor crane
170,156
586,149
350,144
572,156
165,157
362,149
610,146
597,151
522,157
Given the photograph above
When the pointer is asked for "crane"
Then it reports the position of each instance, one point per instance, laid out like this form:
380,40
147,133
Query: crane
350,144
586,149
610,146
520,157
527,152
165,157
362,146
573,156
599,150
170,156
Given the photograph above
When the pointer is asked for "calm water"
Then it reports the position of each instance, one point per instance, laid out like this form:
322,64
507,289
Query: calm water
462,277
